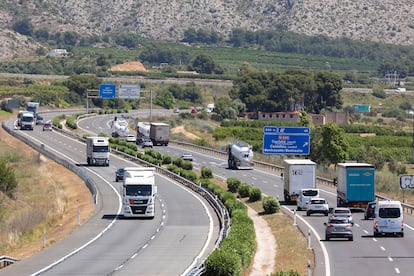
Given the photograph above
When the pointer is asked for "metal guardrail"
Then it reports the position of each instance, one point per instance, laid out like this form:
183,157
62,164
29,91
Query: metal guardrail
218,206
6,261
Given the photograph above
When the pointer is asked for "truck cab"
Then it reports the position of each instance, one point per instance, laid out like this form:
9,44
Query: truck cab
97,151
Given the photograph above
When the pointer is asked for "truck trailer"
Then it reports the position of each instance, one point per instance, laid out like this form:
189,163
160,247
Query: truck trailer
298,174
159,134
138,192
355,185
240,156
97,151
33,107
119,127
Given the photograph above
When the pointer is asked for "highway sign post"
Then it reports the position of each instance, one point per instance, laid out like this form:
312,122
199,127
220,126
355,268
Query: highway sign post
107,91
286,140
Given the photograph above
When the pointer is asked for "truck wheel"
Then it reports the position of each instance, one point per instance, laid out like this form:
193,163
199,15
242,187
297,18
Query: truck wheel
308,214
299,209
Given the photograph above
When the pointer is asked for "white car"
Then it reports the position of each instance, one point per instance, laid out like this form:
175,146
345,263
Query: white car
317,205
130,138
187,156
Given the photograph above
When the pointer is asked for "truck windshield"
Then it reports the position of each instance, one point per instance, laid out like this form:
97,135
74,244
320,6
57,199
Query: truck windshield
310,193
141,190
389,212
27,119
100,148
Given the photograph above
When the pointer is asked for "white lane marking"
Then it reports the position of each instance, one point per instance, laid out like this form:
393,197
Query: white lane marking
397,270
366,232
382,248
374,239
390,259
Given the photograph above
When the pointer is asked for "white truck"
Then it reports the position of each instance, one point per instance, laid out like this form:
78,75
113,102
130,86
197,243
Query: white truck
33,107
119,127
143,131
138,192
26,120
97,151
298,174
240,156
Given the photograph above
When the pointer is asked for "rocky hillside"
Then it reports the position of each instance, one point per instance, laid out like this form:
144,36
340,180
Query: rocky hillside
376,20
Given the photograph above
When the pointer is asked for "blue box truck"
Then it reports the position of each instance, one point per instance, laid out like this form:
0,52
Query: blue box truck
355,185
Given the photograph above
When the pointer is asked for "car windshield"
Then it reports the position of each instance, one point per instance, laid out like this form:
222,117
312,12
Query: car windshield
389,212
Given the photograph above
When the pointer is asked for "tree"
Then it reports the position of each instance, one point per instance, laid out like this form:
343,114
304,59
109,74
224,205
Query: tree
80,84
8,182
328,86
204,64
165,99
334,145
23,27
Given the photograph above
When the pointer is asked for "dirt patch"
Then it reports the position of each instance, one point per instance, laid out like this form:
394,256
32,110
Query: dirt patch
72,197
181,129
129,66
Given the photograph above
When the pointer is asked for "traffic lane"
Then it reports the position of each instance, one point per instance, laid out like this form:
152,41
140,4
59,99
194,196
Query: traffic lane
188,234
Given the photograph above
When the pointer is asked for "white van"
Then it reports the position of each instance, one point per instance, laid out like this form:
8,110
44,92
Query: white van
388,218
305,196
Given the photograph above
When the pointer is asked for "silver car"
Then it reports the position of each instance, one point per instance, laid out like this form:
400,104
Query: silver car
339,228
341,212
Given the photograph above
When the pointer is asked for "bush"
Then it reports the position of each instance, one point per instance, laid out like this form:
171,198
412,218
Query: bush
244,190
233,184
271,205
206,172
255,194
222,263
166,159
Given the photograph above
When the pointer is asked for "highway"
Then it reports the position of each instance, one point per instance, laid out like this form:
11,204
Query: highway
366,255
182,233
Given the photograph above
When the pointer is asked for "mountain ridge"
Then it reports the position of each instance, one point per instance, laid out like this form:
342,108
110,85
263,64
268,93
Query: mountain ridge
372,20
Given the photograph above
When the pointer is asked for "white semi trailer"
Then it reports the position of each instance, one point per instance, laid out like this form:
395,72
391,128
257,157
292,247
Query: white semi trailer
97,151
298,174
138,192
240,156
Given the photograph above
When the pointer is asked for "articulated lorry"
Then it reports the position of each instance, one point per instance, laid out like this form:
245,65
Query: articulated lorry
355,185
299,176
159,134
119,127
138,192
97,151
240,156
25,120
33,107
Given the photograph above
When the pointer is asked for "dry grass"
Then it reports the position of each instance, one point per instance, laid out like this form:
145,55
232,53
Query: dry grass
291,252
47,201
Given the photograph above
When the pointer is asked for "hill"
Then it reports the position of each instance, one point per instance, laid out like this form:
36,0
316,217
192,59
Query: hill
381,21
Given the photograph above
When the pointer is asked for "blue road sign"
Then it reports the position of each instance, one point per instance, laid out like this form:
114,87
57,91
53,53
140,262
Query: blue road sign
107,91
286,140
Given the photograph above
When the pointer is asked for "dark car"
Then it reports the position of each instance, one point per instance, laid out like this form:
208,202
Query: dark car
39,120
339,228
119,174
370,210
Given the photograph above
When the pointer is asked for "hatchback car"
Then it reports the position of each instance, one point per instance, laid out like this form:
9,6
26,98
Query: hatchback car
370,210
317,205
187,156
130,138
119,174
339,228
341,212
147,143
47,126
